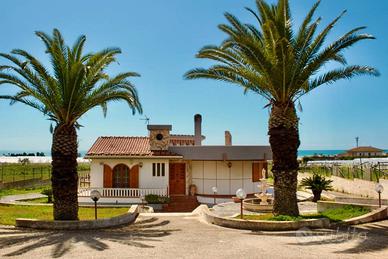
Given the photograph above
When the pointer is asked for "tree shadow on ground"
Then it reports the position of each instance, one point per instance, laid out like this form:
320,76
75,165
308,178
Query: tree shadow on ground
137,235
367,238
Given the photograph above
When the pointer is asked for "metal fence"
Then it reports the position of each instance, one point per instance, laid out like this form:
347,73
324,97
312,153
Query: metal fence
15,175
365,171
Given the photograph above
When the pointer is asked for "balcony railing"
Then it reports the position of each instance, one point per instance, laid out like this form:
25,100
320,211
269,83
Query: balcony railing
123,192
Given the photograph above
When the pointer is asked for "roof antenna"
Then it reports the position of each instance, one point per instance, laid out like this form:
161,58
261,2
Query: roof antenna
146,119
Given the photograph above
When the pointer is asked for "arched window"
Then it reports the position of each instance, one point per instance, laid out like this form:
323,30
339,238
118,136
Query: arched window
121,176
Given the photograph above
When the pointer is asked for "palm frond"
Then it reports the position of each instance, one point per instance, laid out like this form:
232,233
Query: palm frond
67,93
271,60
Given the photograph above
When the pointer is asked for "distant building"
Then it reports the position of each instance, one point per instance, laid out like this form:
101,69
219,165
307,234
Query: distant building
364,152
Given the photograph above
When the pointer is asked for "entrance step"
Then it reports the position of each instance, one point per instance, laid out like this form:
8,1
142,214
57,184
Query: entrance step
182,204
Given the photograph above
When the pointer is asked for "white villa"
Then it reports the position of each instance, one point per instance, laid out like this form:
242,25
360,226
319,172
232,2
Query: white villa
124,169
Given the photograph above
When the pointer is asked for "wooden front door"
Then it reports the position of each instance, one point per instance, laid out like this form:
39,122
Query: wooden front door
177,180
120,176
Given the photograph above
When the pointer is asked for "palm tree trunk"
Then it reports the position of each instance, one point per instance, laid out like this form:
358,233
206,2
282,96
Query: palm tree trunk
64,176
284,140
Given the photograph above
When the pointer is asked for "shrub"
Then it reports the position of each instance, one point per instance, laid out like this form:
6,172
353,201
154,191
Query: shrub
317,183
156,199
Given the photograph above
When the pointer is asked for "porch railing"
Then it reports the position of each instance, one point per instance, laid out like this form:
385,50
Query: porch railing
123,192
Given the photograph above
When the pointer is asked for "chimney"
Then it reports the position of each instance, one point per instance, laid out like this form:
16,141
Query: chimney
228,138
198,130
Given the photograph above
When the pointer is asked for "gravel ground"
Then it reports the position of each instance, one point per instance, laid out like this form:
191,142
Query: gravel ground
187,237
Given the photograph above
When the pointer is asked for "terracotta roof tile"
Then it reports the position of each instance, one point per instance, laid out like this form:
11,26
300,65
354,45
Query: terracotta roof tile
124,146
365,149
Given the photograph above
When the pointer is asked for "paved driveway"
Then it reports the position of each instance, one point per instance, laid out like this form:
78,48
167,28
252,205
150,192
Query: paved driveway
188,237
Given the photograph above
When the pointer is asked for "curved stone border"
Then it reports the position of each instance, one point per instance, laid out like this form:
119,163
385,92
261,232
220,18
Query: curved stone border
376,213
124,219
265,225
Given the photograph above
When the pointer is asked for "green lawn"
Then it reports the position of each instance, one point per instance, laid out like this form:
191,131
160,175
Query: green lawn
340,214
346,212
8,213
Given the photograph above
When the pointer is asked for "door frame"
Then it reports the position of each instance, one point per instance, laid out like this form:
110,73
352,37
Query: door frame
169,178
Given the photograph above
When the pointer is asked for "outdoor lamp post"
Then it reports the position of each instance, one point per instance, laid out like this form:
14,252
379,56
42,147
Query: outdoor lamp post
241,194
379,189
95,196
214,189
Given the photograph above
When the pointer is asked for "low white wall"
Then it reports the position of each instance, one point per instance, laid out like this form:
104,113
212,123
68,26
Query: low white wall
206,174
146,180
113,200
355,186
209,200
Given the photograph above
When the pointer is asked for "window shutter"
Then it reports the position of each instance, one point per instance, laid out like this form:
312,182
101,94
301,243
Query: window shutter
107,176
256,173
134,177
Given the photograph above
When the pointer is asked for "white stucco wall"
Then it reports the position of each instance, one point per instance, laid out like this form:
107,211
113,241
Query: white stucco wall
206,174
146,180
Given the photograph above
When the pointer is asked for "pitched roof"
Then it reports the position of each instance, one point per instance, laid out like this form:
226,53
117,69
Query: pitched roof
365,149
124,146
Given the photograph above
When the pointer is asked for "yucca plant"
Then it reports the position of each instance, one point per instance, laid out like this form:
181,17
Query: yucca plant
317,183
75,84
281,64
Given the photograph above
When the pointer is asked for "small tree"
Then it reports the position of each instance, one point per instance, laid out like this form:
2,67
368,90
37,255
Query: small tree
281,63
71,86
317,184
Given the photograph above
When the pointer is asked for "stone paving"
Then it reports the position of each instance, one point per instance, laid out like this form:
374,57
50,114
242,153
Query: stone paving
156,236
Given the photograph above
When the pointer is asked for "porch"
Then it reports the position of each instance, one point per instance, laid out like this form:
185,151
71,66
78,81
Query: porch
123,192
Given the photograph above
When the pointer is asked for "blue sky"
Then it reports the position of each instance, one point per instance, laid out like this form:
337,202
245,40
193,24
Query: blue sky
159,39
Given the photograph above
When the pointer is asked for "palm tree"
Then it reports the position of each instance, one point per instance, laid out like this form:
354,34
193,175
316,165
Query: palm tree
280,64
77,83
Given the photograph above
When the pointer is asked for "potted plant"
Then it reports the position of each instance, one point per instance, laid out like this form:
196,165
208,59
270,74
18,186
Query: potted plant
157,202
317,183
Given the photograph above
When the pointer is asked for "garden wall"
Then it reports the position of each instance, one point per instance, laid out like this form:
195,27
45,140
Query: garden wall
354,186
